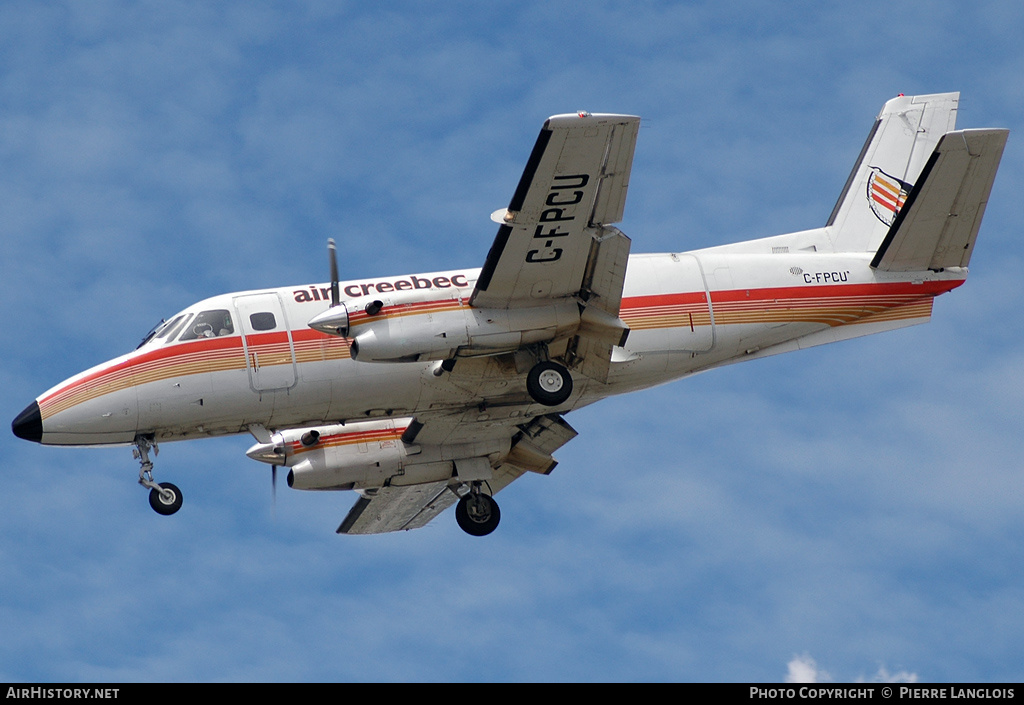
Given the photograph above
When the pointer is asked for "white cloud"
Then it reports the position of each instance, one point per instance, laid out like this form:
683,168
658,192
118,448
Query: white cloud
884,676
804,669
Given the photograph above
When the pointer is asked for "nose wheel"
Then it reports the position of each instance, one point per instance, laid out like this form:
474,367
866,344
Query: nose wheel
165,498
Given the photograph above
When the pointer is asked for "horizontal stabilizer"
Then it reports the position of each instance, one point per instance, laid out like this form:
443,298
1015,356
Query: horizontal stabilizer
937,226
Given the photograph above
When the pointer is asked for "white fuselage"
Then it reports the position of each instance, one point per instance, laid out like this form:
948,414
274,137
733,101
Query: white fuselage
258,363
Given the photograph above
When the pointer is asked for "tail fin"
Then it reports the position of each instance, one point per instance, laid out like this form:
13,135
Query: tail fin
900,142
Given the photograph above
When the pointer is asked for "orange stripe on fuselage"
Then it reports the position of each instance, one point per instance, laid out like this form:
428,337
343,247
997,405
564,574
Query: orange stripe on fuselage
832,305
195,357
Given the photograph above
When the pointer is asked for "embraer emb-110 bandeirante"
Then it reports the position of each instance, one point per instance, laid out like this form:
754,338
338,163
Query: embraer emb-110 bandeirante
427,390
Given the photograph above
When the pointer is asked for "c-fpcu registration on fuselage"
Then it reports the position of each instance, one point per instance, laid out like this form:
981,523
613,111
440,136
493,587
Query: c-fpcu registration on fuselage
422,391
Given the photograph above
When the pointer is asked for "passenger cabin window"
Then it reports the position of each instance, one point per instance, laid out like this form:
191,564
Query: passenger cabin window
263,321
209,324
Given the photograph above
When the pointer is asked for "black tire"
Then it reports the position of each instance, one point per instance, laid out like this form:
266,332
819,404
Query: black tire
161,505
549,383
477,516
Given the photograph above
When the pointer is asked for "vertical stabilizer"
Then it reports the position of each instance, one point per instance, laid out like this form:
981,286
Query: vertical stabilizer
900,142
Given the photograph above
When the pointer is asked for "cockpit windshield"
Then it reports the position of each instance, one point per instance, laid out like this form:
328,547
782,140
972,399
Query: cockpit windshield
172,328
152,332
208,324
166,329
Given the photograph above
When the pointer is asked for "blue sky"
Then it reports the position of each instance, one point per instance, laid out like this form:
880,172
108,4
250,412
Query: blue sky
848,512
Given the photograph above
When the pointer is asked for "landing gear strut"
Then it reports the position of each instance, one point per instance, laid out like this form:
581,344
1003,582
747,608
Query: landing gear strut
164,498
477,513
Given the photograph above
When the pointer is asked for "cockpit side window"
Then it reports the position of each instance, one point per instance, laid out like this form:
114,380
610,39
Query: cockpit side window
209,324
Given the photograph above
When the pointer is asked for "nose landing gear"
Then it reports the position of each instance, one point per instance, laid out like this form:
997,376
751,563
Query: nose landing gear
166,500
164,497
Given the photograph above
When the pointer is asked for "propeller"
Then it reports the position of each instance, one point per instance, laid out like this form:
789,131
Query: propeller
273,487
270,449
333,321
332,253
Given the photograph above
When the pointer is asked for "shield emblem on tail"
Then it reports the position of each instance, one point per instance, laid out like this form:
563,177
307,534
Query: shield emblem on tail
886,195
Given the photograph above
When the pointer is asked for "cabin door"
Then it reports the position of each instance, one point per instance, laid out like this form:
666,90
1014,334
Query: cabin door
269,350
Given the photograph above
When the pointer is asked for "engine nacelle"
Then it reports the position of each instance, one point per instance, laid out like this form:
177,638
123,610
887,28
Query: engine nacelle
419,326
365,454
409,331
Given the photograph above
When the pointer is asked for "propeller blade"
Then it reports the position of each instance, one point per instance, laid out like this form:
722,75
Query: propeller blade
332,251
273,490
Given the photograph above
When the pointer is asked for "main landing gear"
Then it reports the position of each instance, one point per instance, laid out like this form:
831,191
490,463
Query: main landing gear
164,497
549,383
477,513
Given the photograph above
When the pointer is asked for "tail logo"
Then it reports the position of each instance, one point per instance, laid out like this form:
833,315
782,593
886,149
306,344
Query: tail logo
886,195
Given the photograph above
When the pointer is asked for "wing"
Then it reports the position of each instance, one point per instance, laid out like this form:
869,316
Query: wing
576,178
404,508
555,241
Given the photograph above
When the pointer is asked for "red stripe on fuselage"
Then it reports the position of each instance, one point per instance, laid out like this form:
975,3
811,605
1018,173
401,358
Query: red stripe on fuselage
211,354
826,292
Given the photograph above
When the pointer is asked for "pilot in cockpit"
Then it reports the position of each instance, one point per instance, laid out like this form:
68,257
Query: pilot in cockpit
210,324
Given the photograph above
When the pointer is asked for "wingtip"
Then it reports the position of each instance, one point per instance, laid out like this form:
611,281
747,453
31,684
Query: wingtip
573,119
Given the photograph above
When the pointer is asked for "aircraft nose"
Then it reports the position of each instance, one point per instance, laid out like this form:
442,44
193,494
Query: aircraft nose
29,424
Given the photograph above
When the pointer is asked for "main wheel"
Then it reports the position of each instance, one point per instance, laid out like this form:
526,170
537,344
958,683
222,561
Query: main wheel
478,515
549,383
167,500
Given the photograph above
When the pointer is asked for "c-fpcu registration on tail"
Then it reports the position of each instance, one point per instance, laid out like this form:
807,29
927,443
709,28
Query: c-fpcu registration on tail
426,390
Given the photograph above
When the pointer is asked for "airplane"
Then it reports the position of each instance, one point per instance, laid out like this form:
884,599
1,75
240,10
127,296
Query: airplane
417,392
